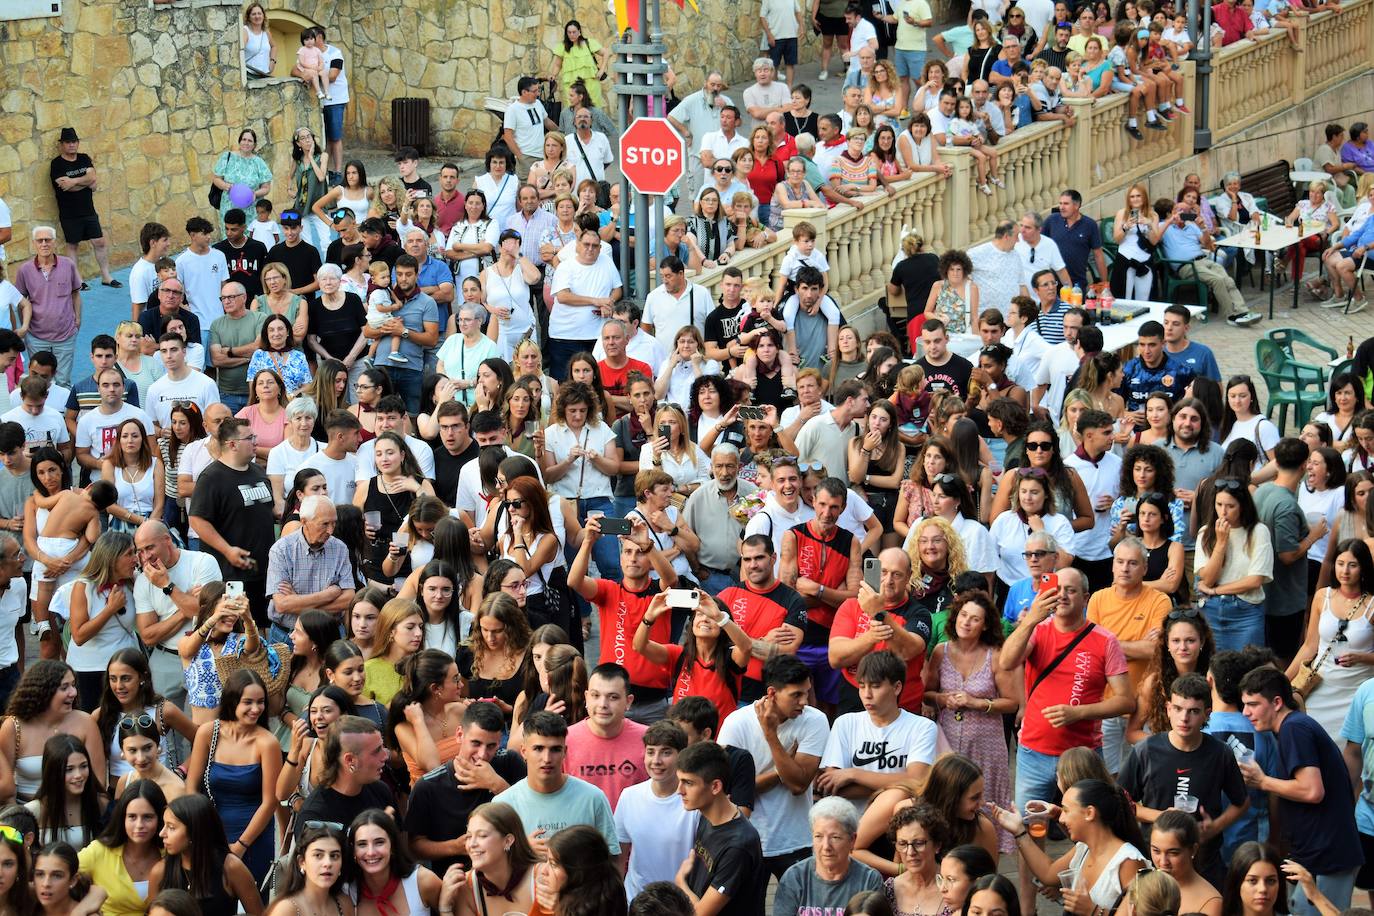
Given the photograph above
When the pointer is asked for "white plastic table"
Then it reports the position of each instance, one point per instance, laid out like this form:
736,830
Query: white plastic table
1273,240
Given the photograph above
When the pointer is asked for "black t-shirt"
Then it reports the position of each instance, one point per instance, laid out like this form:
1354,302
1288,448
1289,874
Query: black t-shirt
150,319
447,467
439,810
771,391
72,204
796,126
916,275
332,807
1321,836
337,329
302,261
239,505
1156,772
952,375
388,251
741,789
419,184
722,327
245,264
729,858
333,254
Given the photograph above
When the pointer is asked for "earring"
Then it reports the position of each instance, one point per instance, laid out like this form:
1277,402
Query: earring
508,845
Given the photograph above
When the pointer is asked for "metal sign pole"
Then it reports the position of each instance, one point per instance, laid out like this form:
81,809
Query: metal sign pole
640,68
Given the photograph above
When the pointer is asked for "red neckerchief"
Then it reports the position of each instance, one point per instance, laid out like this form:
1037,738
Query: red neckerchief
838,141
366,408
1084,455
492,890
383,897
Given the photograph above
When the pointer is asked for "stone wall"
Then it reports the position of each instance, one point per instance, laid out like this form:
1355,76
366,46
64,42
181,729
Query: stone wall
156,95
462,52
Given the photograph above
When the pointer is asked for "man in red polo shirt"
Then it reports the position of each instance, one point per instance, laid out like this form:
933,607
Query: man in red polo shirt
773,614
1233,21
621,606
905,629
617,365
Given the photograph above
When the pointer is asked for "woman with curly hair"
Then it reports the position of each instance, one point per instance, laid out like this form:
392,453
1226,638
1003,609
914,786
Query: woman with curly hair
714,414
919,834
954,300
492,659
1145,469
1184,646
43,704
937,559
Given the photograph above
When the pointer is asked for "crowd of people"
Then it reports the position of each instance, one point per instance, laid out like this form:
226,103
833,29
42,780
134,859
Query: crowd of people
318,555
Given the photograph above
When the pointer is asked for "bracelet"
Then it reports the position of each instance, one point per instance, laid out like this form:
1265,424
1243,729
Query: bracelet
989,706
1017,836
292,763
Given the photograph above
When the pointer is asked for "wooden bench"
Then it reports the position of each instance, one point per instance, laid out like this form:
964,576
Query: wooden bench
1273,184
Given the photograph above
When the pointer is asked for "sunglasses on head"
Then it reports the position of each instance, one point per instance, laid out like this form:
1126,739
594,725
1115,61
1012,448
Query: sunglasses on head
129,723
12,834
945,478
1037,473
1227,484
811,467
1184,613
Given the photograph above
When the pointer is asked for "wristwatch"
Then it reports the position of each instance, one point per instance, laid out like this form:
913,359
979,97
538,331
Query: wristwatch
405,333
168,589
673,533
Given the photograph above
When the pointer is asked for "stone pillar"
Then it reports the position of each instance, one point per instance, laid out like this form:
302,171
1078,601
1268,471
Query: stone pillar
958,191
1297,58
1080,145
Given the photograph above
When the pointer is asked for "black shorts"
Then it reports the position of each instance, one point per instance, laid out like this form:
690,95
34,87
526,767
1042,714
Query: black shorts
832,25
81,229
1364,880
784,51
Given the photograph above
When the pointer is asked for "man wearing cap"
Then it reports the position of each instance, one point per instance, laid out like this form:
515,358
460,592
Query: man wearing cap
302,260
448,203
345,223
377,240
417,321
74,179
525,122
407,163
246,255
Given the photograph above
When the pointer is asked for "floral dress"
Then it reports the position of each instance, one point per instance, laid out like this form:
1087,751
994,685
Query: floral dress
978,735
236,169
291,366
952,308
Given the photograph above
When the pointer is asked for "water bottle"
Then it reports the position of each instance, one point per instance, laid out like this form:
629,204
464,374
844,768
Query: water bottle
949,138
1077,293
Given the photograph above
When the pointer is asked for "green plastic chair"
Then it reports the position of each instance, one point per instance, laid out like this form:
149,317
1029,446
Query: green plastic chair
1109,245
1182,275
1284,387
1313,372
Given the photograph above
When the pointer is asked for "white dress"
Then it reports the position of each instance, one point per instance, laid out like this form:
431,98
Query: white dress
1329,703
513,293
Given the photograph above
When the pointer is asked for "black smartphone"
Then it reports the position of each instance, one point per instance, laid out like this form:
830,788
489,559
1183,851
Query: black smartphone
664,431
612,525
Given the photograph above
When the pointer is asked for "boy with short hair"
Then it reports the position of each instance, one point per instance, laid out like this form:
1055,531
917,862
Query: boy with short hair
654,830
264,229
724,874
803,253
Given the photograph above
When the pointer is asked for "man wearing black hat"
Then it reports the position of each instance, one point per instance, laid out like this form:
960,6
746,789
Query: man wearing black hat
525,122
246,255
73,179
346,224
302,259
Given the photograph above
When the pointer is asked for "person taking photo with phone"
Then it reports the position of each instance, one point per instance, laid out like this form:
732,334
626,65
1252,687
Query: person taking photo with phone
701,663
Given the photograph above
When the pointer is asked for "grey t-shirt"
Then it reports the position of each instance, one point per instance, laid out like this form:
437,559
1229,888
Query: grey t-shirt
1191,467
14,490
1286,593
801,892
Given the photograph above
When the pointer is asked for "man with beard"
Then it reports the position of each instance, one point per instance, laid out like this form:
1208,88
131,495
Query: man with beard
772,613
708,511
417,322
1195,457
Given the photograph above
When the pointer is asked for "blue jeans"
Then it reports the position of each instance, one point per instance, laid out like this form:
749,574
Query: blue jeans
407,384
235,402
65,351
333,121
276,634
1035,776
621,505
717,582
560,353
1337,888
1235,623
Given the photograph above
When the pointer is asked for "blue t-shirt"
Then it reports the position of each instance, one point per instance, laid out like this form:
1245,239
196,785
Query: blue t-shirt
432,273
1198,359
1183,243
1019,597
1138,381
1359,729
1321,836
1002,68
1235,730
416,310
1076,244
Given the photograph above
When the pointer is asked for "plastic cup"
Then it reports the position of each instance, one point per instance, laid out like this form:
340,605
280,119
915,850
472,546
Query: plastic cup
1246,756
1186,803
372,519
1068,878
1037,827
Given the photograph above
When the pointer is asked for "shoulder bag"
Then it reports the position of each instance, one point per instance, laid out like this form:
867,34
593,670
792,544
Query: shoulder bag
1059,659
216,196
603,188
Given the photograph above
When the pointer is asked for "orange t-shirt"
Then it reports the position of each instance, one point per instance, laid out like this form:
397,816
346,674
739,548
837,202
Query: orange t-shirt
1129,620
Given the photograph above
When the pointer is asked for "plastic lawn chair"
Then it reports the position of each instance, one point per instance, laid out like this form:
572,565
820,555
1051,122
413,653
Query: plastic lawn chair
1183,274
1284,387
1315,372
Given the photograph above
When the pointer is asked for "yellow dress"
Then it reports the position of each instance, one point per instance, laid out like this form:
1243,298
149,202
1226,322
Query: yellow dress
579,63
383,681
105,867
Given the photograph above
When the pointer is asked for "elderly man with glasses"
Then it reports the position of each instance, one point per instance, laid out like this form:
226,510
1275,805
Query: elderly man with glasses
52,284
309,569
233,340
169,301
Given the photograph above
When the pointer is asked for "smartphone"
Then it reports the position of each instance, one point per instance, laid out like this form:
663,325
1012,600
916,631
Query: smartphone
873,574
400,540
1128,505
1047,581
683,597
751,413
665,431
612,525
233,590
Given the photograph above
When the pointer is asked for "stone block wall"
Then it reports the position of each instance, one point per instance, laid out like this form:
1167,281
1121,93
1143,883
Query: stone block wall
156,94
457,54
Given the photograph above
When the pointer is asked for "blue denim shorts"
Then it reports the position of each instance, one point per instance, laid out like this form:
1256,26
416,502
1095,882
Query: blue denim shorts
333,121
909,63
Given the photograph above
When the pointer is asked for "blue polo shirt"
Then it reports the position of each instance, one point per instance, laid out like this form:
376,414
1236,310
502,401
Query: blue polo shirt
1138,380
432,273
413,314
1198,359
1183,243
1076,244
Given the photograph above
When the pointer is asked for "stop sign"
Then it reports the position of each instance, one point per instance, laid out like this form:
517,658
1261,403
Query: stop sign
652,155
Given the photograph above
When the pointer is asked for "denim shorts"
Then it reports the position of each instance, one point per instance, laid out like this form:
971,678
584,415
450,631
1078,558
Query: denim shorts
333,121
909,63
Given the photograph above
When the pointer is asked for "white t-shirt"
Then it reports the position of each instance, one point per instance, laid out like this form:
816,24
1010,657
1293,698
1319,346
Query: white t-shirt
367,458
721,147
284,461
202,275
1259,430
96,431
11,610
1039,16
192,568
584,479
659,832
1056,365
196,387
596,280
527,121
1047,256
48,428
338,89
855,516
669,314
598,154
266,231
1009,533
794,261
142,281
468,498
773,520
773,95
829,308
193,459
790,415
781,16
1099,481
863,33
341,477
781,818
857,742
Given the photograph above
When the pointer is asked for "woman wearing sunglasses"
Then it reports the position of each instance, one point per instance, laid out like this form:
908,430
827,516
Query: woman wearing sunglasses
1184,646
1033,508
1234,561
140,748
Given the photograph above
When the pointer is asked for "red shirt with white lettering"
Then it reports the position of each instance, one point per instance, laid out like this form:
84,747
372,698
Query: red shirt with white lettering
703,680
759,612
851,621
613,380
619,612
1080,679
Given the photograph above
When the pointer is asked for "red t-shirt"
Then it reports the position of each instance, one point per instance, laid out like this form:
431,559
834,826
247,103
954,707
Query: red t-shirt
1078,680
786,150
763,179
610,764
851,621
620,611
704,681
613,380
759,612
824,560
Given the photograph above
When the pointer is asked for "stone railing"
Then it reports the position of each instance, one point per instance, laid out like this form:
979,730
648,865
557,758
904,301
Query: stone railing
1252,80
1258,78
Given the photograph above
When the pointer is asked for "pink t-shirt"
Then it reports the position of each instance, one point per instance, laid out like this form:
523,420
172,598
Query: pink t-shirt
610,764
310,58
269,434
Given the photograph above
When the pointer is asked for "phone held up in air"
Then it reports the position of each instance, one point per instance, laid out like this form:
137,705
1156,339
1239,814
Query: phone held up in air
682,598
233,590
1046,581
873,574
612,525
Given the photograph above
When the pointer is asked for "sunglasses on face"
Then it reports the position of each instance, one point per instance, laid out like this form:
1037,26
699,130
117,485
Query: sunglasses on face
1039,446
723,170
516,504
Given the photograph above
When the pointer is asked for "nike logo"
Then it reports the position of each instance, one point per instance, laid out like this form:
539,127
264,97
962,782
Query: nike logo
1184,770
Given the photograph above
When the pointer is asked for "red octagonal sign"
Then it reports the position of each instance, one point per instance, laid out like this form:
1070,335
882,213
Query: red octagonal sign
652,155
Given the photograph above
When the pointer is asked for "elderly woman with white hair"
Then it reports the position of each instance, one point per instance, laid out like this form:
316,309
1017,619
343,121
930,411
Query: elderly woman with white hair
826,880
337,319
286,457
463,352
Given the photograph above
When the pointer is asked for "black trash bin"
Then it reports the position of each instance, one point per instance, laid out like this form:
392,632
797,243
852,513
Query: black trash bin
410,123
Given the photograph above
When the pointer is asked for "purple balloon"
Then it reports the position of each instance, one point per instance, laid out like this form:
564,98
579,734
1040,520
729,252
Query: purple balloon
241,196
